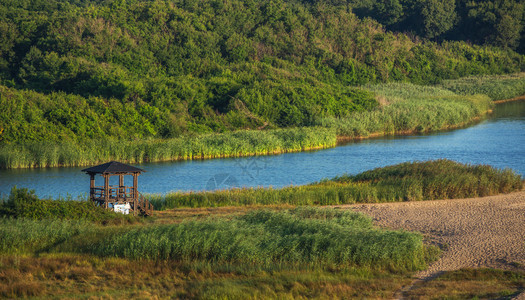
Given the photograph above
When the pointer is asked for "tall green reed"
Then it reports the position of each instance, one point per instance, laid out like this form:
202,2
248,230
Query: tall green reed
232,144
497,87
18,236
302,236
410,108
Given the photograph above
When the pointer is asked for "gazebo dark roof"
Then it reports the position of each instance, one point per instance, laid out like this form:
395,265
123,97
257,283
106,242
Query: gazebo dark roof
112,167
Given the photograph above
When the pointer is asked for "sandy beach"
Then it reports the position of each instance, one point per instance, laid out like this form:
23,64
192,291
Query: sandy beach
473,233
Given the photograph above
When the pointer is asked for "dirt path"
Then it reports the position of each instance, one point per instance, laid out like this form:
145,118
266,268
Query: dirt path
477,232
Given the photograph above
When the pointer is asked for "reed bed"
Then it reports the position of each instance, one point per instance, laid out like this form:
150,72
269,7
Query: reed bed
232,144
409,108
440,179
302,236
497,87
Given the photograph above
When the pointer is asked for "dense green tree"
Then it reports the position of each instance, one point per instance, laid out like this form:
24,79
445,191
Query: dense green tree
388,12
497,22
438,16
492,22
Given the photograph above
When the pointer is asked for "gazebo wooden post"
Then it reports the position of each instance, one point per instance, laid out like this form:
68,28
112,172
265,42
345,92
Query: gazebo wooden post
121,188
106,189
135,194
92,186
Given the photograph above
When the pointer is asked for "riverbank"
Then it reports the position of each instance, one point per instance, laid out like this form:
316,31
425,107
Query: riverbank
342,139
405,109
520,98
411,109
417,181
209,146
420,114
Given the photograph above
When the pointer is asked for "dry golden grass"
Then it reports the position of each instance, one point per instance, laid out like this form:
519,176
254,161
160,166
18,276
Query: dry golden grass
470,284
71,276
178,215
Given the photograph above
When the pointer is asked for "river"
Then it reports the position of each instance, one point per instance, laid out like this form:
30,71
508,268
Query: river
498,141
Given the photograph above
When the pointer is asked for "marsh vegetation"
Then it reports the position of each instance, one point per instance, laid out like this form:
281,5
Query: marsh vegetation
414,181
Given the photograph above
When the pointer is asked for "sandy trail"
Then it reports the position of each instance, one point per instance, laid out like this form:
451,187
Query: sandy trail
476,232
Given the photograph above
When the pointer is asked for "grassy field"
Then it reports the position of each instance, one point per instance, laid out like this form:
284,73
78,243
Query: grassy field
416,181
77,259
73,276
471,284
301,252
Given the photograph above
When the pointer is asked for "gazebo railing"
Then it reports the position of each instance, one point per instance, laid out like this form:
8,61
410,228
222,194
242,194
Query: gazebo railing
114,193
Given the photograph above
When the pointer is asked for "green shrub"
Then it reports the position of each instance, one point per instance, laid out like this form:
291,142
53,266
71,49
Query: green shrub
24,204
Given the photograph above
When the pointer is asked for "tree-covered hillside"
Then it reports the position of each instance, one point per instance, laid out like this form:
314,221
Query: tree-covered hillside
134,69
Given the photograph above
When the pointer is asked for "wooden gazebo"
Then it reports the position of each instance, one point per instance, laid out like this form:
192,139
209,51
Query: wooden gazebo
109,196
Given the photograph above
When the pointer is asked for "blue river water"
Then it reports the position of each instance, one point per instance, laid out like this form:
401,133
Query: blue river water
498,141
